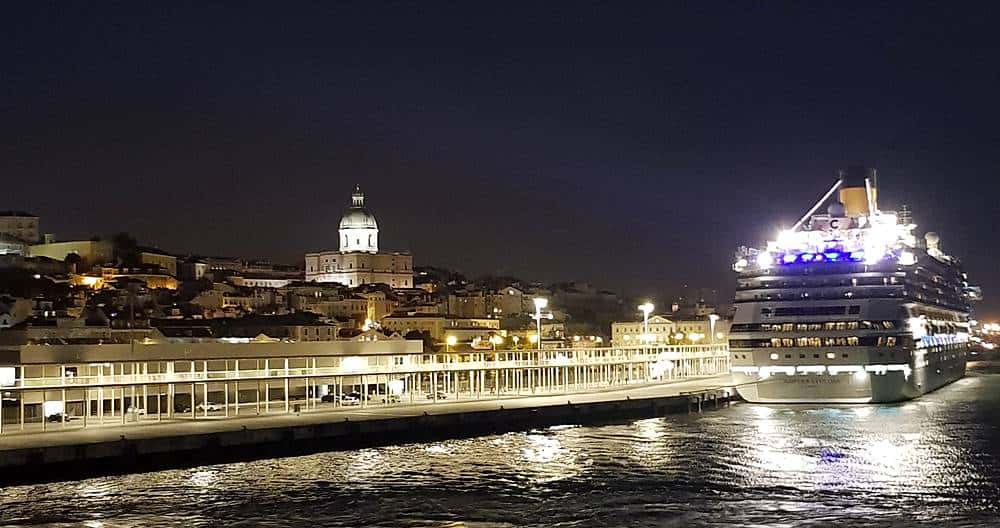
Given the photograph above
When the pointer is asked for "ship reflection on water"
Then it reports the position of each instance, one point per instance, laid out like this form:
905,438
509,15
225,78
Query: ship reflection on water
931,461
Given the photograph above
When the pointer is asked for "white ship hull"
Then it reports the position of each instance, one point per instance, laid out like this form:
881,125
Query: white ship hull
859,387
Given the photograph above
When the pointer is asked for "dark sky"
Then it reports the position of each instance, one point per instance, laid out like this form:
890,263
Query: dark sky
634,146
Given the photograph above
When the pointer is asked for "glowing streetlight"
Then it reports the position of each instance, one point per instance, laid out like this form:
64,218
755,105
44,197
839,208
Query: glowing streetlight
712,318
449,342
496,340
540,303
646,308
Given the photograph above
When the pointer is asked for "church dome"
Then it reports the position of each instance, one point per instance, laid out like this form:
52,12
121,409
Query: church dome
358,228
357,216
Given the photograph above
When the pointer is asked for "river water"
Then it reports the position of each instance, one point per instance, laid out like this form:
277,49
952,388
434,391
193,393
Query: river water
930,462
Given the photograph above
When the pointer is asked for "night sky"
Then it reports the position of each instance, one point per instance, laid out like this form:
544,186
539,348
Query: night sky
631,146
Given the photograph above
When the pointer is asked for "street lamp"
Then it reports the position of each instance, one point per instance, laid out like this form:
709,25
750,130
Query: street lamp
450,342
646,308
540,303
712,318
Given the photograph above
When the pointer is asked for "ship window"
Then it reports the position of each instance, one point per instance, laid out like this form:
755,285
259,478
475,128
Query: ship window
802,356
815,356
843,356
830,355
788,356
774,356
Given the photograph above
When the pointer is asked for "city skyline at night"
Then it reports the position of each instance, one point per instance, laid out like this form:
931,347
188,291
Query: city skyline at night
654,140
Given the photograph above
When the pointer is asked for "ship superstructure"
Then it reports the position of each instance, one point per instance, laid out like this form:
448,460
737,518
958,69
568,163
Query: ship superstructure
849,306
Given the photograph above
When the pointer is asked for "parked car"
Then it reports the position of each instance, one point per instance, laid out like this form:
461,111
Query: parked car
59,417
209,407
350,399
392,398
329,398
440,396
136,410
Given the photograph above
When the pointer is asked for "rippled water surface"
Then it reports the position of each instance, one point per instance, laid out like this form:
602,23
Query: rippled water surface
933,461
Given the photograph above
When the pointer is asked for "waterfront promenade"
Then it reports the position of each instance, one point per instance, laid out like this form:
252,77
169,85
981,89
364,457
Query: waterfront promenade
330,413
116,449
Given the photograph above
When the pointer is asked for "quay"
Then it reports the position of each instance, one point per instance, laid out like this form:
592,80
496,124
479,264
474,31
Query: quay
91,408
40,456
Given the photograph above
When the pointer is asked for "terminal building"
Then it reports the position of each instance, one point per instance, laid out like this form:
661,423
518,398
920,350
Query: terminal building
359,261
62,383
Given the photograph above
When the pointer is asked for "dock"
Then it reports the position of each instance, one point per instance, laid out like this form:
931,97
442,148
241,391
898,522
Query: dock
115,449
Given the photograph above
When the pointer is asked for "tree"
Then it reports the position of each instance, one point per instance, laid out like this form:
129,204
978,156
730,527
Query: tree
126,249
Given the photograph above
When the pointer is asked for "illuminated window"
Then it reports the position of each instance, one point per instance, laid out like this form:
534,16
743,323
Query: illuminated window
830,355
774,356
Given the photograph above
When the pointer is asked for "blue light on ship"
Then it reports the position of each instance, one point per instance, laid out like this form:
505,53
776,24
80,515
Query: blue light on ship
806,257
831,255
789,258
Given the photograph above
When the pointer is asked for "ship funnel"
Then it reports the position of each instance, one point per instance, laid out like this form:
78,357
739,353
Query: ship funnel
858,192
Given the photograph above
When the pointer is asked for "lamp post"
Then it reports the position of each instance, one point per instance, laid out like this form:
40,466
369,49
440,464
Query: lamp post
450,342
712,318
540,303
646,308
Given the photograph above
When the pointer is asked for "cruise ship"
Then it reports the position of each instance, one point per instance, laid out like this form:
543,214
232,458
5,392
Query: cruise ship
849,306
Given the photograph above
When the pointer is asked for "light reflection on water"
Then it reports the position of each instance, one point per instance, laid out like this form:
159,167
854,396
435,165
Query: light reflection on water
928,462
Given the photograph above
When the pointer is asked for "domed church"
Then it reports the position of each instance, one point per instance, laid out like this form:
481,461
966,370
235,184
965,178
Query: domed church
359,261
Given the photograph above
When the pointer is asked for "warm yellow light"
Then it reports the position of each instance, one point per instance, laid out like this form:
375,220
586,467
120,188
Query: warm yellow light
646,308
533,338
451,340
